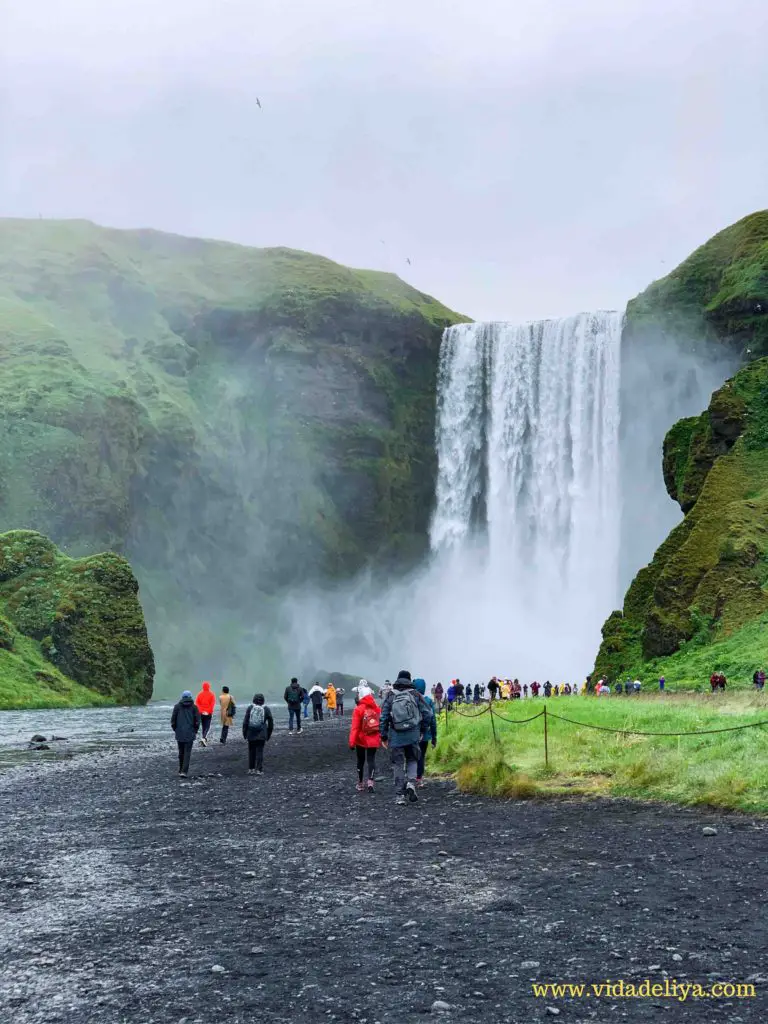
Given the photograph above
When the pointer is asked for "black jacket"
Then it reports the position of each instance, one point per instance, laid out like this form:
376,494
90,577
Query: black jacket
293,696
264,731
185,720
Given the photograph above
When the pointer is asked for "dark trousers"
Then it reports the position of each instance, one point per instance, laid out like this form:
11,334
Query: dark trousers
224,733
317,712
365,756
423,744
185,752
404,762
205,724
256,754
306,710
340,708
294,713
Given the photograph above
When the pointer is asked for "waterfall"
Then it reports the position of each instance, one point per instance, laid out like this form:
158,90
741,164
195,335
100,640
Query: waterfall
527,496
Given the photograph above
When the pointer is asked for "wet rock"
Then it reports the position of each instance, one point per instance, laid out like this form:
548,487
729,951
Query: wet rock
37,738
218,969
709,831
553,1010
529,964
440,1006
38,746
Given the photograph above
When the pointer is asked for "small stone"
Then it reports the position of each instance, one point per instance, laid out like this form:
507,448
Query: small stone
443,853
481,964
409,924
257,950
528,964
218,969
709,831
655,967
676,956
249,874
553,1010
440,1006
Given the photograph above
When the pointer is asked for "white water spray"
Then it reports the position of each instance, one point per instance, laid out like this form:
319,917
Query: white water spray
528,504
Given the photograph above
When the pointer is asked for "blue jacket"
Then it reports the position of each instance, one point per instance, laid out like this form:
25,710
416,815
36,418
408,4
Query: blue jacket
412,736
421,686
185,720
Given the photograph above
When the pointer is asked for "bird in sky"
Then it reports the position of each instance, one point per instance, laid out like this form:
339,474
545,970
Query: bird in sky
408,260
258,103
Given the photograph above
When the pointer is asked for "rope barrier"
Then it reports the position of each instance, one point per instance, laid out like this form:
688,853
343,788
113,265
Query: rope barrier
640,732
517,721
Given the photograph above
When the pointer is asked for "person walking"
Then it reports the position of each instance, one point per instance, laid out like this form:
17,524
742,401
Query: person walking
316,696
206,702
305,701
340,701
330,699
662,683
364,736
227,709
293,697
439,692
185,722
257,730
405,718
429,736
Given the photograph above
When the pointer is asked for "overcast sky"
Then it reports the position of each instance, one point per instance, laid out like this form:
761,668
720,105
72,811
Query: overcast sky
531,157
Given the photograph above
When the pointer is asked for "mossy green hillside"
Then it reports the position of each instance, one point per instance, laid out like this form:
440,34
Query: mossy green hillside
71,630
234,420
708,579
719,293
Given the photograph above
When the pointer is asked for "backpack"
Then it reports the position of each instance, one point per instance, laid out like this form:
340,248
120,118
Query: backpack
369,726
257,719
405,714
231,708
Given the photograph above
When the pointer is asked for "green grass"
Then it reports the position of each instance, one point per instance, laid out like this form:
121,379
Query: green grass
28,680
724,770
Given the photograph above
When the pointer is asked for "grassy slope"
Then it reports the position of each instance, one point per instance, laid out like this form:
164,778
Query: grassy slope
708,578
197,404
725,770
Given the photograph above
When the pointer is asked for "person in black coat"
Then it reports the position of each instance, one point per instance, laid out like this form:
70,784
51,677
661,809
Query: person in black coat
257,729
185,722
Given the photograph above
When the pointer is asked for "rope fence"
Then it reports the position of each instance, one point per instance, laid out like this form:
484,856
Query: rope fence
546,715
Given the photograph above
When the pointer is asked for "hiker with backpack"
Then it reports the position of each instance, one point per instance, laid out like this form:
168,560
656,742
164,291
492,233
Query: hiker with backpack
257,729
185,722
364,736
227,710
293,697
424,742
405,719
316,695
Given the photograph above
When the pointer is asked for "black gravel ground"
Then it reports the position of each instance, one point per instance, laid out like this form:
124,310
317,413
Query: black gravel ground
127,895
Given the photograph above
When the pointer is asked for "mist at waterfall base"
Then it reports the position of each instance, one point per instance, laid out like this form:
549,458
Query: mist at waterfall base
549,498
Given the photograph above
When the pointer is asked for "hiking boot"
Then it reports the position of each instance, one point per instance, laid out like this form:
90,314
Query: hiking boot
410,792
203,742
400,800
359,787
182,775
370,785
420,782
259,772
251,771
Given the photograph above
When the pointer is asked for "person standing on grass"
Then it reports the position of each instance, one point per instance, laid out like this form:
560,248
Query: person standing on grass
493,688
206,702
185,722
257,729
316,696
227,710
662,684
293,697
439,692
364,736
430,736
405,719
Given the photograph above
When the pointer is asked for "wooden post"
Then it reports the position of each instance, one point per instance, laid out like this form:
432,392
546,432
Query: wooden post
546,743
493,726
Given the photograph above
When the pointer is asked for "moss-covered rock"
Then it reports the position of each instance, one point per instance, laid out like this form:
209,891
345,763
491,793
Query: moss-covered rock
234,420
70,621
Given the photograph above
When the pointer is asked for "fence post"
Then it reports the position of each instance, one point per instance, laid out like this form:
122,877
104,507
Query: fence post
446,717
546,743
493,727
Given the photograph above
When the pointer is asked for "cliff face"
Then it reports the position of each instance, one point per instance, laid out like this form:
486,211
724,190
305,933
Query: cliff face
71,630
708,579
233,420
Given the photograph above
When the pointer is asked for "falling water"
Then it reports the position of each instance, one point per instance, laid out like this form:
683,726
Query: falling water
527,491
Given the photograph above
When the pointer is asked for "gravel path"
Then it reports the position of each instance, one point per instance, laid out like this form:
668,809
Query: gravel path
127,895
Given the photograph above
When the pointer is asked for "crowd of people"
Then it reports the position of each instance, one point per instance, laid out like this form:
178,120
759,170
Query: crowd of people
403,721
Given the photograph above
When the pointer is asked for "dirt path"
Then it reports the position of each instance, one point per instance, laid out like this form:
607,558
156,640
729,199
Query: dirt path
122,889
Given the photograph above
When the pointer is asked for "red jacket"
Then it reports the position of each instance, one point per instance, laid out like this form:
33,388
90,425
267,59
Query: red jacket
206,700
357,738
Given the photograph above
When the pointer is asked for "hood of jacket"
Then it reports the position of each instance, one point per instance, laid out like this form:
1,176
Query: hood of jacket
421,686
187,699
206,687
367,701
403,684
